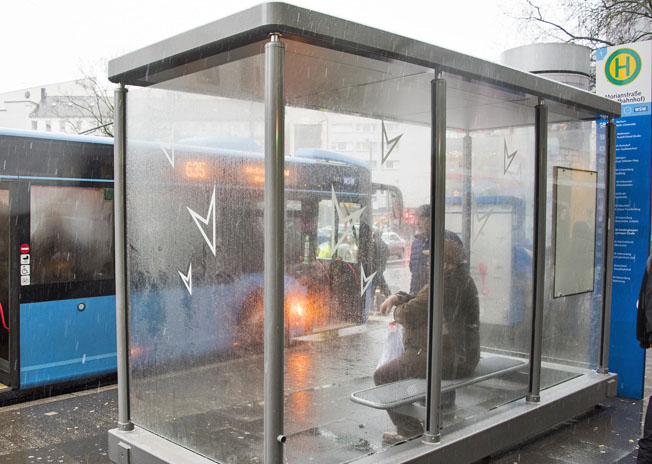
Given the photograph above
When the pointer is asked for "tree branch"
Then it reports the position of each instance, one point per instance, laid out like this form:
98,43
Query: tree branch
573,36
598,22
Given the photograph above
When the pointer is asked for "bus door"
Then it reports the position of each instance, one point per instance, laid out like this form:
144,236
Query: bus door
4,279
387,203
344,240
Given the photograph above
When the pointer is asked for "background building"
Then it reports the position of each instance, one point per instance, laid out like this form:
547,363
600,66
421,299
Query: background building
73,107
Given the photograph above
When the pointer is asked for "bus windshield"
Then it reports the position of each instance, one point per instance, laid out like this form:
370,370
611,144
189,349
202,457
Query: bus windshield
218,217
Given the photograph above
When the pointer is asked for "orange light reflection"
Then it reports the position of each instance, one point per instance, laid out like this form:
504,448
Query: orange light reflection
297,367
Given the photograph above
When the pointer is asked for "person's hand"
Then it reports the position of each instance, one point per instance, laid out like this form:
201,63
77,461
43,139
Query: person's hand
388,304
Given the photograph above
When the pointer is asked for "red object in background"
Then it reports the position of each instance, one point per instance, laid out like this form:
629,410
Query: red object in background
483,270
409,217
2,318
24,248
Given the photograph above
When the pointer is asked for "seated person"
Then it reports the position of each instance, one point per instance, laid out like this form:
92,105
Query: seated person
418,260
461,337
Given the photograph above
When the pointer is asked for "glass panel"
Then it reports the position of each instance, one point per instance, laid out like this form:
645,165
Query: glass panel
357,190
574,208
4,274
367,178
71,234
489,205
572,322
195,256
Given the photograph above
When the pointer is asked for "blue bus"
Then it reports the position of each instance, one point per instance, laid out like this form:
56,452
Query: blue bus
57,321
200,229
57,288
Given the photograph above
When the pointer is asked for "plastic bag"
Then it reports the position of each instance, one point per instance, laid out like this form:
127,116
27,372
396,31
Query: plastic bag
393,347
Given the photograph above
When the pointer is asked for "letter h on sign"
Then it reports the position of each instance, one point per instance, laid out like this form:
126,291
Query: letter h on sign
619,66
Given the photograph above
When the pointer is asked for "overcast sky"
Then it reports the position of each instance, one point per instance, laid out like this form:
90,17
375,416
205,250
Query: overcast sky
45,41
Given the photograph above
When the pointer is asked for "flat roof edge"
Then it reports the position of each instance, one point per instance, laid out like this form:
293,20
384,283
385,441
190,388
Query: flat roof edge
238,29
256,23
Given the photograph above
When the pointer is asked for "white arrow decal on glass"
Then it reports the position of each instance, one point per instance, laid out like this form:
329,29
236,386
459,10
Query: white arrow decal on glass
342,219
210,217
482,220
508,158
364,280
391,144
187,279
169,155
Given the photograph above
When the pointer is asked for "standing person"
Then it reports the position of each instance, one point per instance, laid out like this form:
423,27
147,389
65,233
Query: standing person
418,259
644,336
461,334
381,252
420,243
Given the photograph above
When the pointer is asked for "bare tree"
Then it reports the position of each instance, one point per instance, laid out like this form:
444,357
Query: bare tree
85,108
594,23
98,106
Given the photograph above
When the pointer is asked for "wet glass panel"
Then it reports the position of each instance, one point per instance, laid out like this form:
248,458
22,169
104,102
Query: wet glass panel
489,206
195,176
571,330
71,234
4,274
574,208
367,178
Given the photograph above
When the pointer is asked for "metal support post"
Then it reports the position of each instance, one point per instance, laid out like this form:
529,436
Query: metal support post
539,255
274,241
609,207
467,197
120,210
436,300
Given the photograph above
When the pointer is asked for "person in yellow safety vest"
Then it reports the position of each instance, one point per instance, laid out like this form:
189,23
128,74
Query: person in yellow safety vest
324,250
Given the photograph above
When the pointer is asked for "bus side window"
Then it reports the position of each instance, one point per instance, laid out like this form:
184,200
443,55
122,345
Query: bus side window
71,234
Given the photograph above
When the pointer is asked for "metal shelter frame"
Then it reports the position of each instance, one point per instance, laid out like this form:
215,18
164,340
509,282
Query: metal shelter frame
274,24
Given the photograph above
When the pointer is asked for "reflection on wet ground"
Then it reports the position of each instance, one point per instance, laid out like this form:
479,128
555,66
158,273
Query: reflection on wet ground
220,413
322,425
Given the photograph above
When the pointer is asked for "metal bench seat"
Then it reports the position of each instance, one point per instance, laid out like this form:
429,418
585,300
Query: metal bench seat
396,394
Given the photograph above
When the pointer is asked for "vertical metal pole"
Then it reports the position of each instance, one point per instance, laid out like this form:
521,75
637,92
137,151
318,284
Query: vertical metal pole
274,256
467,198
436,300
539,255
610,205
120,209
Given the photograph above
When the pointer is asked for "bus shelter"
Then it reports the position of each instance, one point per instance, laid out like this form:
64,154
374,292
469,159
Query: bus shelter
279,174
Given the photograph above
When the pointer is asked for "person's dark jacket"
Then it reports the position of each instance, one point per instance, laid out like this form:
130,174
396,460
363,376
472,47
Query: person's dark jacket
419,260
419,263
644,315
461,332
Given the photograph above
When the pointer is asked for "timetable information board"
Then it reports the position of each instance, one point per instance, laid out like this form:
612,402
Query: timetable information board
624,73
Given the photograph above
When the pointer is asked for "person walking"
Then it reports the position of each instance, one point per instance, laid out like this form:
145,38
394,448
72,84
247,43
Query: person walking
644,336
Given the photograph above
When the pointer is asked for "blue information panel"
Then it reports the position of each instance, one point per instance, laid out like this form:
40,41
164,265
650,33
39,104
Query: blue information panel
624,74
631,245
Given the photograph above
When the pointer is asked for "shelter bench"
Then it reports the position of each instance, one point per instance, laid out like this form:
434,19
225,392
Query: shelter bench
403,395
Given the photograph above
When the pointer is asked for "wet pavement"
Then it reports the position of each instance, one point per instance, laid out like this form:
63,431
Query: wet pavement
608,433
71,428
605,434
